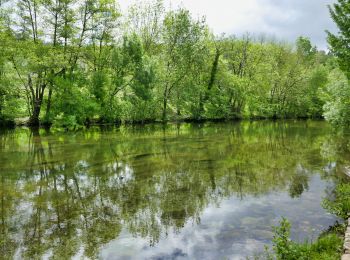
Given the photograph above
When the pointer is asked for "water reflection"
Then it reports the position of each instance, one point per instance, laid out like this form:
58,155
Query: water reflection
91,193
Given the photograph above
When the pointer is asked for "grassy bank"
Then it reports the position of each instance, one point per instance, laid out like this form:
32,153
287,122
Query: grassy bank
328,246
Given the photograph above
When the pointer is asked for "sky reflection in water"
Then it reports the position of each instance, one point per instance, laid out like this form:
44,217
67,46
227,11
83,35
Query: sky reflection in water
180,191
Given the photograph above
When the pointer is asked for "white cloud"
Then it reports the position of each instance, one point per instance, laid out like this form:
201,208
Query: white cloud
235,229
284,19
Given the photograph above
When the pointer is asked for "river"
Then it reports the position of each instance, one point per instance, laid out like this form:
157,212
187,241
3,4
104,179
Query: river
180,191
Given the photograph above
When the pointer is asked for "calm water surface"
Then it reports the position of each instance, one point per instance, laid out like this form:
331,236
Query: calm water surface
184,191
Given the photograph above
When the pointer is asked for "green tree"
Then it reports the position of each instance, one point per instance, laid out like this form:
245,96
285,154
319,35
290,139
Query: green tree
145,20
337,95
181,38
339,43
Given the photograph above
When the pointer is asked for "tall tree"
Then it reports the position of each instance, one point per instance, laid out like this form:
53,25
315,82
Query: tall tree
340,42
181,38
146,21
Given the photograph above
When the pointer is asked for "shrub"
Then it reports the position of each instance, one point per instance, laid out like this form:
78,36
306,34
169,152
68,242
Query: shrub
340,204
328,246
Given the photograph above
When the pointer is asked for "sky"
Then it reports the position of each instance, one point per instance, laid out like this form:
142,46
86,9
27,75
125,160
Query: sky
282,19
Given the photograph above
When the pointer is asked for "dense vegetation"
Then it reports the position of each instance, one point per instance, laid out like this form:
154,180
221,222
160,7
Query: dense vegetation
72,62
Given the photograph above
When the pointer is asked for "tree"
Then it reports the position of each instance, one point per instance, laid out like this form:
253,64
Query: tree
145,20
59,21
70,62
339,44
181,38
337,107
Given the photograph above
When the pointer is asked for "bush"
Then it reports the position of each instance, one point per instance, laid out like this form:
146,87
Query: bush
340,204
66,121
337,96
328,246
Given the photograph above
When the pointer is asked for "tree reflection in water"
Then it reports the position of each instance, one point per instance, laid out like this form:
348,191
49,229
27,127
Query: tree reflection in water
67,194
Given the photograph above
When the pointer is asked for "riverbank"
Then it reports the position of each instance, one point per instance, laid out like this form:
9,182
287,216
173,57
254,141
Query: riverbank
24,122
346,255
328,246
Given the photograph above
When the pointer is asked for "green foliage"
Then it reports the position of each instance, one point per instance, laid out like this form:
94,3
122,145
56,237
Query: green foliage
65,121
337,96
315,86
340,204
98,82
74,102
305,48
183,39
339,44
282,242
77,58
337,108
328,246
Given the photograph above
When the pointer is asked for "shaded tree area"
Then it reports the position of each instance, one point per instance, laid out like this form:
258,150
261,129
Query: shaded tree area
70,63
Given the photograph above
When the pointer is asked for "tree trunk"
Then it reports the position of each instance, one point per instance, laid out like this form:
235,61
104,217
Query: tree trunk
214,71
164,109
34,118
211,82
165,103
48,106
1,103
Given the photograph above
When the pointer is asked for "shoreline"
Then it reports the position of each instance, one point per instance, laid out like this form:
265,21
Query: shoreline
18,123
346,252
